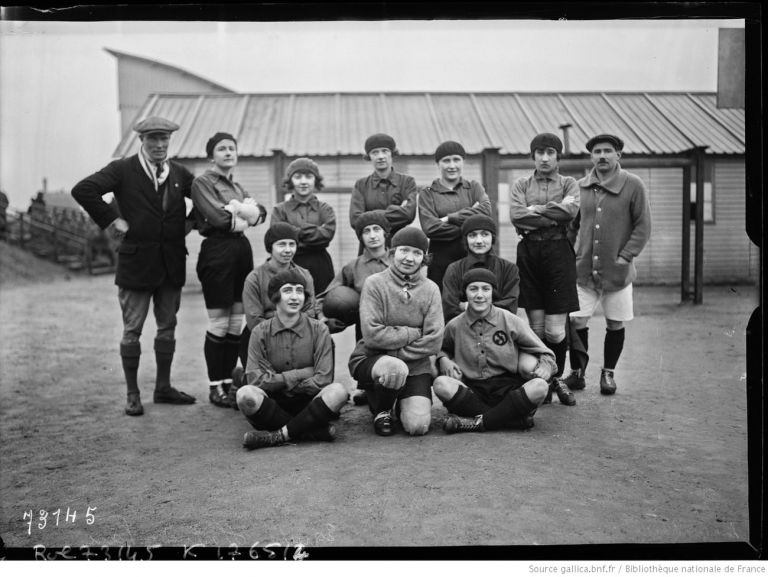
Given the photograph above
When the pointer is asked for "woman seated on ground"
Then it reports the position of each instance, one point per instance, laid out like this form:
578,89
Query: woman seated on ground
402,324
493,368
290,395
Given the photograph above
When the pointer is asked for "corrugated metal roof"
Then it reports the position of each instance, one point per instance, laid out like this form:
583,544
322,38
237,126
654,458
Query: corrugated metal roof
330,124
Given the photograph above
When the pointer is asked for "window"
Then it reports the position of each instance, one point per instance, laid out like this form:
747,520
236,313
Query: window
708,194
709,211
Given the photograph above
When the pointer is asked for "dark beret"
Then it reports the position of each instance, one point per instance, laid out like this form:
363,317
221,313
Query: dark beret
368,218
449,148
380,140
546,139
411,236
279,231
478,275
478,222
215,139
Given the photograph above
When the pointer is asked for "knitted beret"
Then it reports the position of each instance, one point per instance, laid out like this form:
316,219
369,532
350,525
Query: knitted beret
302,165
411,236
617,142
279,231
289,276
449,148
215,139
478,222
379,140
545,140
368,218
478,275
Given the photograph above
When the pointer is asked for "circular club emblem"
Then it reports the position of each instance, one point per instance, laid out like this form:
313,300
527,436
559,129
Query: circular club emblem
500,338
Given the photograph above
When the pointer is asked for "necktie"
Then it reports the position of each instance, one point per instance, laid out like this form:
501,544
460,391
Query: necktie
159,170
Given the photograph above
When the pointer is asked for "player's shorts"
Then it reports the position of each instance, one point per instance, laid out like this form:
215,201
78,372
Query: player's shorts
415,385
222,266
547,276
490,392
617,305
319,264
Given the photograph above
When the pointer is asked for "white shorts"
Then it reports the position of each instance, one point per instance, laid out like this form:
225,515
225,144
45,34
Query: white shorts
617,305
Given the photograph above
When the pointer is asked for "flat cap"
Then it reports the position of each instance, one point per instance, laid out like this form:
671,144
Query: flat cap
155,124
617,142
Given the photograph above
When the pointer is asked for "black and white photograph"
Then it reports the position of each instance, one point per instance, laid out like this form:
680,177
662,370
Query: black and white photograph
294,284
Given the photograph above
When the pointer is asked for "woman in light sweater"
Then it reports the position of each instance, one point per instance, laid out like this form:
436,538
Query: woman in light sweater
401,319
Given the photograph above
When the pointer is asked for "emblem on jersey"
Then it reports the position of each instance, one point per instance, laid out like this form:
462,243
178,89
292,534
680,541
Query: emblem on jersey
500,338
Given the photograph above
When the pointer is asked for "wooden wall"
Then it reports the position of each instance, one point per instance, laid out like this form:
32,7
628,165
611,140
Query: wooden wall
728,254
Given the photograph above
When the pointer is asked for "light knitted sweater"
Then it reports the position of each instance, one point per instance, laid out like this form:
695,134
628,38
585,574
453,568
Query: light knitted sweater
400,316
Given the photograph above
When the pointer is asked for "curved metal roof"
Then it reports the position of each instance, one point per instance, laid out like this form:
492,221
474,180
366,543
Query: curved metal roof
330,124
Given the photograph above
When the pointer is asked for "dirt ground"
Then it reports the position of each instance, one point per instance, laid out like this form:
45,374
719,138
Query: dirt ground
662,461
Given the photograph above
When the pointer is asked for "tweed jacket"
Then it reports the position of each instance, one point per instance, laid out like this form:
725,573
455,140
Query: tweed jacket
153,251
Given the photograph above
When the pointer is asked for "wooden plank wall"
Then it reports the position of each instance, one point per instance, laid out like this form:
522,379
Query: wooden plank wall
728,254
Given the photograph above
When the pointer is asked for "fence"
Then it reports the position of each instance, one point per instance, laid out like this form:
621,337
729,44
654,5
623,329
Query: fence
63,235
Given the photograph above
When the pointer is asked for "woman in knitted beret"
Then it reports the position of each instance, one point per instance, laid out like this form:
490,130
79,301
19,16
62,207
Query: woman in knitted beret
290,395
385,191
493,368
479,233
314,220
224,210
280,242
402,324
372,230
444,206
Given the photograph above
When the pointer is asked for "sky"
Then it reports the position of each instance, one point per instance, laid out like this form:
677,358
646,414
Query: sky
59,115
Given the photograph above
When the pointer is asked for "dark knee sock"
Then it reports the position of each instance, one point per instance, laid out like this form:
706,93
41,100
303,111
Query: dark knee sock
214,350
509,411
384,399
231,353
612,347
269,416
245,339
465,403
163,357
315,414
130,355
579,346
559,349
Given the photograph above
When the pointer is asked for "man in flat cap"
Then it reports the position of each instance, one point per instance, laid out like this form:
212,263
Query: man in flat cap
149,220
541,206
385,191
614,225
